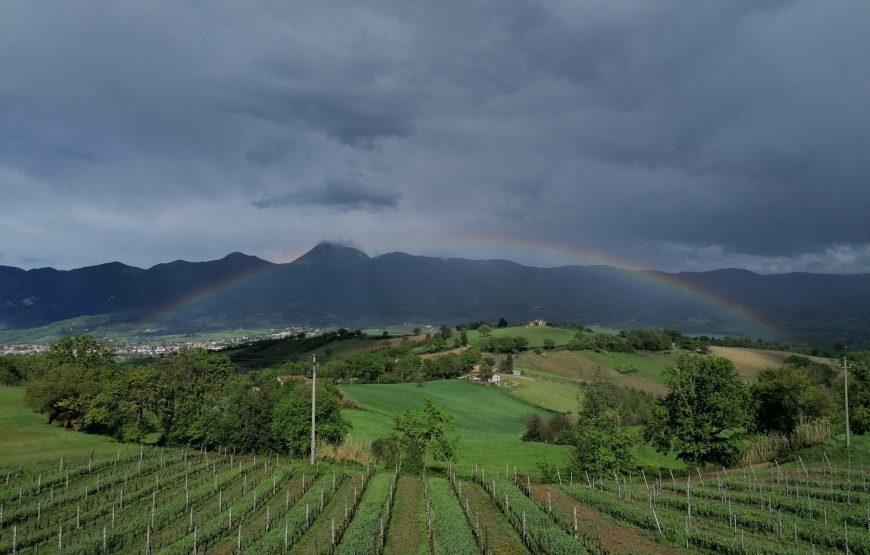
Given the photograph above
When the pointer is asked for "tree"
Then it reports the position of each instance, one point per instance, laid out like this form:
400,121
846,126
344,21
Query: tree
859,393
601,442
502,323
484,330
549,344
427,432
416,331
787,396
291,418
507,365
82,350
10,373
463,337
704,416
195,381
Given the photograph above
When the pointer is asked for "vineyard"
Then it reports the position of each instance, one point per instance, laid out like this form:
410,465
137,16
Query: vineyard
182,501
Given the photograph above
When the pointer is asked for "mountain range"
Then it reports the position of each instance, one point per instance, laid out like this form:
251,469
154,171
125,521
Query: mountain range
334,285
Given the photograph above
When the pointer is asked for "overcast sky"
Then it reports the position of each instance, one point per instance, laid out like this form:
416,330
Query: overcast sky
676,135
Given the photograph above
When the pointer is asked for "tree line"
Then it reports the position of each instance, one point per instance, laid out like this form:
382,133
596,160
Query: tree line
710,415
194,397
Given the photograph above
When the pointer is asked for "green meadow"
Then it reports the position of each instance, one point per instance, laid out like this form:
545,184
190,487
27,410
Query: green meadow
489,422
26,437
647,367
549,395
535,335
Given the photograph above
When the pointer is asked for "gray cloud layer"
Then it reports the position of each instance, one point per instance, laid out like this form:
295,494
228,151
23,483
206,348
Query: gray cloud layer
674,134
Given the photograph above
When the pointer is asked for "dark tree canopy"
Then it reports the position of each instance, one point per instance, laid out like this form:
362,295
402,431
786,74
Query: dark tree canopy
705,414
787,396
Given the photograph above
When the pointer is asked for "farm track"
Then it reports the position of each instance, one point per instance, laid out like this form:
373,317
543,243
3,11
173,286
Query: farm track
407,534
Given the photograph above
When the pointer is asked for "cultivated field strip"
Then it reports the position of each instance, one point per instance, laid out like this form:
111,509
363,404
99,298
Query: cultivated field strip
334,515
366,531
407,534
217,522
493,533
294,522
158,501
769,511
450,530
540,533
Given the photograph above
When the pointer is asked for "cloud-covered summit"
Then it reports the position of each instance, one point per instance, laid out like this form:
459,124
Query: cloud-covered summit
673,134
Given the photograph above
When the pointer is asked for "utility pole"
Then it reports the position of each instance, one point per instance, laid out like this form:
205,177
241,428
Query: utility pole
846,368
313,404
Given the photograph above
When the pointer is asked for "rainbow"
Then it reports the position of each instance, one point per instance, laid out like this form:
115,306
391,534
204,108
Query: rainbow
510,246
200,297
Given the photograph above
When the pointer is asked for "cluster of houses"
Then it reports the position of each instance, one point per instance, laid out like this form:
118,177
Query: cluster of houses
495,378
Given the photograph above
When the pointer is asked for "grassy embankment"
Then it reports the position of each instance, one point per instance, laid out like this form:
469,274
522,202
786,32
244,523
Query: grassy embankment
26,437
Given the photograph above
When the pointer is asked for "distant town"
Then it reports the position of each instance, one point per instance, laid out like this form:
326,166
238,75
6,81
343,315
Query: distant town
125,350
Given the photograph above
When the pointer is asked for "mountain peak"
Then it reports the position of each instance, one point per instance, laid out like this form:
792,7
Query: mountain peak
331,252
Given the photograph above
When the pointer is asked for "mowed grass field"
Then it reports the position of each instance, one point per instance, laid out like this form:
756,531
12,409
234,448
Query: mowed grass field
576,366
25,436
550,395
489,421
647,367
535,335
749,362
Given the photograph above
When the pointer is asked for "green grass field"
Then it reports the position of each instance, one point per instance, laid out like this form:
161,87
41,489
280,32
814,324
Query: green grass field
535,335
489,421
647,367
25,437
550,395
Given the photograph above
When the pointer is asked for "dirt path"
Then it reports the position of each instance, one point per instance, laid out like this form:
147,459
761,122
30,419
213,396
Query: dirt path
407,534
500,536
612,537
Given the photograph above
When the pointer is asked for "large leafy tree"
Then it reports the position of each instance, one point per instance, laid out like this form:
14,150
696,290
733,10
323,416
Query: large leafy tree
242,419
76,372
193,386
423,433
291,418
859,392
705,415
601,442
787,396
82,350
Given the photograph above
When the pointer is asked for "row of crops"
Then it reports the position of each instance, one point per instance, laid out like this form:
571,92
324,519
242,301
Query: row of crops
164,501
180,501
772,510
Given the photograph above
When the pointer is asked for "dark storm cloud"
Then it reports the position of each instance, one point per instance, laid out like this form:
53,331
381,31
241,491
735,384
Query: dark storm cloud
676,134
338,194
